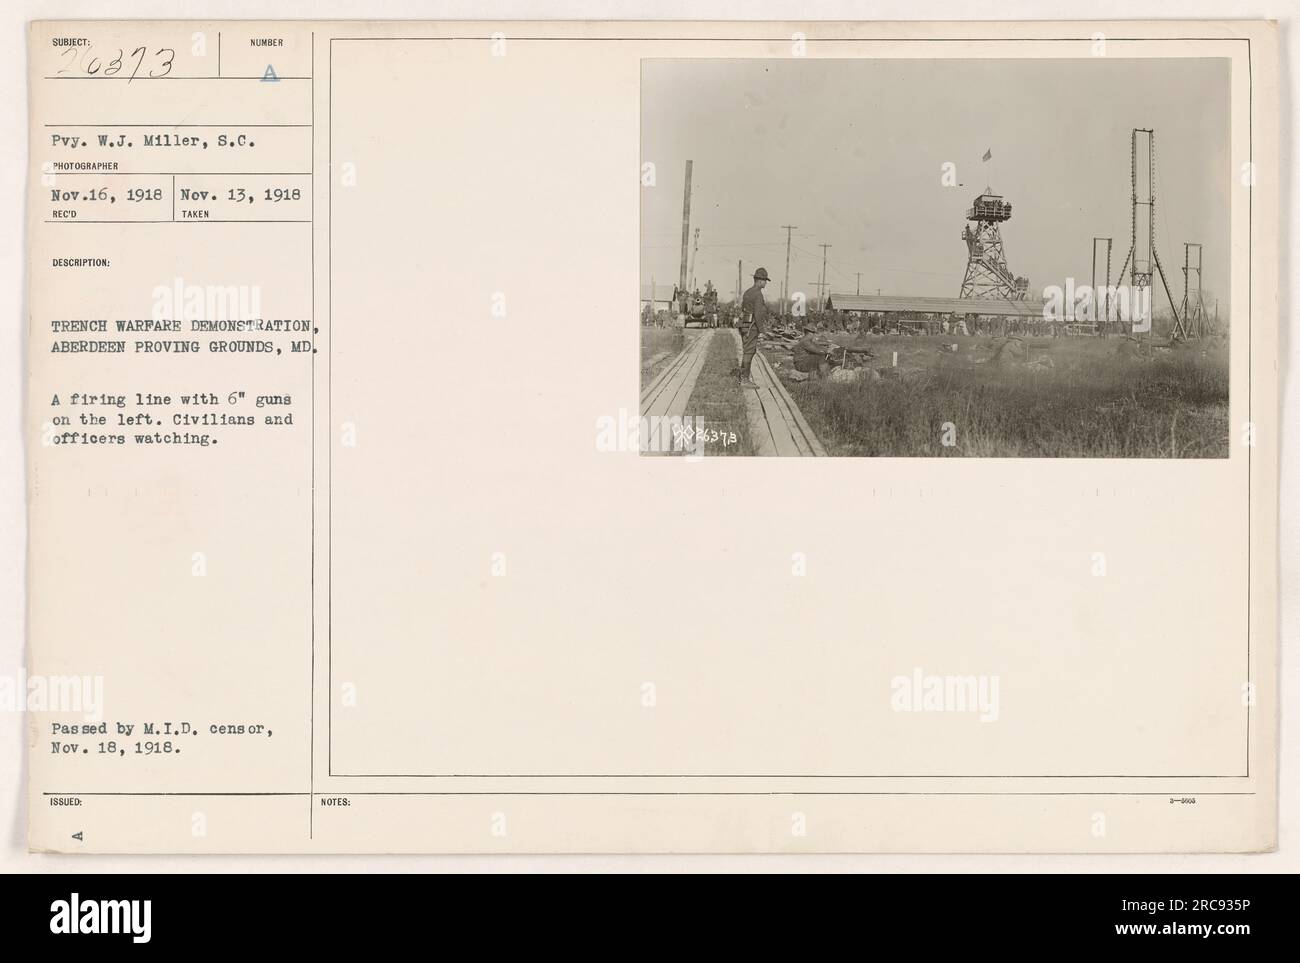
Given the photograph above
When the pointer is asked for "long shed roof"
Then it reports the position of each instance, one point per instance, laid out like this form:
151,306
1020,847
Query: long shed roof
955,306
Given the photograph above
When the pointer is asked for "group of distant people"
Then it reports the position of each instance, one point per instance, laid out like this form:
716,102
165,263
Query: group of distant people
812,354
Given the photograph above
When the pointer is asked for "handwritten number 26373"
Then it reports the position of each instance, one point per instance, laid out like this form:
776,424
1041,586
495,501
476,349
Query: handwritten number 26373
160,63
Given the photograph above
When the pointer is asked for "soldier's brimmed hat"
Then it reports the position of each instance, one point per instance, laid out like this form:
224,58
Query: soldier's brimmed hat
761,275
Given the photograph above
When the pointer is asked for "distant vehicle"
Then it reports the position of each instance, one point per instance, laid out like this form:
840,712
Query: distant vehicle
697,308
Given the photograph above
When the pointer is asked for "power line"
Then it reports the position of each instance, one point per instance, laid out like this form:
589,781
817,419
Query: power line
879,267
656,247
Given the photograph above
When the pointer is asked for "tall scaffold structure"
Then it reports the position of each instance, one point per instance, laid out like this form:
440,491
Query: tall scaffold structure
1196,320
987,274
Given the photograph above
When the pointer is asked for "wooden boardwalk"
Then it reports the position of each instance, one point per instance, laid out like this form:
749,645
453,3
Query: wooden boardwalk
667,394
776,425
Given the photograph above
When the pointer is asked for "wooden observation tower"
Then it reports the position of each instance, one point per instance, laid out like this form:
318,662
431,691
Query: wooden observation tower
987,274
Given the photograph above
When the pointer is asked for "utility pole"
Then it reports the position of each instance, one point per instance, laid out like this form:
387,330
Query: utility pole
1103,323
739,291
821,297
818,285
785,284
859,282
694,251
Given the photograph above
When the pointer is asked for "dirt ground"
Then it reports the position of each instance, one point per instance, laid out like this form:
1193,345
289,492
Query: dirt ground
658,347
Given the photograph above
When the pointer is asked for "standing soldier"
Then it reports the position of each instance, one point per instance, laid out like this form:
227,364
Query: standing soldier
753,321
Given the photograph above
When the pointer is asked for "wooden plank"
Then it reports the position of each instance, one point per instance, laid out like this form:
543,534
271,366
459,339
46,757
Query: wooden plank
776,425
663,377
670,395
666,376
759,432
676,398
783,403
782,437
780,404
800,423
672,400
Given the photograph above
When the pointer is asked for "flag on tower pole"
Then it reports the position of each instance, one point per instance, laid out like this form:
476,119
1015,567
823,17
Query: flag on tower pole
988,154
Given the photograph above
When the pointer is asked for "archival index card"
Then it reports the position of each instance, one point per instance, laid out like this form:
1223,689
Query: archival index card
526,437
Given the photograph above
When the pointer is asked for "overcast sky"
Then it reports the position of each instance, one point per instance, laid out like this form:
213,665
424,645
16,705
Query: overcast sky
851,151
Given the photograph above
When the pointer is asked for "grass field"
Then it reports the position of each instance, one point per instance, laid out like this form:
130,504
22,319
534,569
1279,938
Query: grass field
658,347
1066,397
717,400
